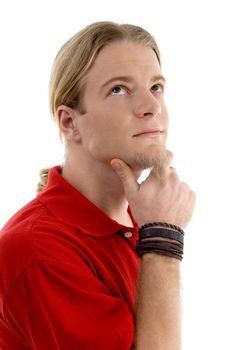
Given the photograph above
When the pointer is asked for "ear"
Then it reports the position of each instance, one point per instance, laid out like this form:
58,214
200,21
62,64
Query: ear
68,124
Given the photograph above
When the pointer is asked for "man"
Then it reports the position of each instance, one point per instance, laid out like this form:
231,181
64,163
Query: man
69,263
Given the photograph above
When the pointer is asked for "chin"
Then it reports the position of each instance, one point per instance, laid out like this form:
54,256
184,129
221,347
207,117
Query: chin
153,158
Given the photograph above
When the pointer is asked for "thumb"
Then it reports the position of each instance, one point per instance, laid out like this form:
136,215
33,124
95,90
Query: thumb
127,177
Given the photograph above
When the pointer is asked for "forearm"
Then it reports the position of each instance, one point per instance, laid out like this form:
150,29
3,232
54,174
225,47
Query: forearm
158,304
158,200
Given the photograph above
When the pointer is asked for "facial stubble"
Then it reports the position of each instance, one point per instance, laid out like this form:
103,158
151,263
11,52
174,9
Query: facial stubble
155,161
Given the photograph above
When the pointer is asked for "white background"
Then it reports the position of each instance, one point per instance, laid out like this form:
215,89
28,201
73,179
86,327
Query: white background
195,39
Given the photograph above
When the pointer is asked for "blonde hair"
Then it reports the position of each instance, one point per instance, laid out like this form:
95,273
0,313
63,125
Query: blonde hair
43,179
77,56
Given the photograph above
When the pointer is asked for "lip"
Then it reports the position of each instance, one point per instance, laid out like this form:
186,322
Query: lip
149,133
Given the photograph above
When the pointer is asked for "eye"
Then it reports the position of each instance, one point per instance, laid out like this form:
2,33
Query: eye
157,88
117,91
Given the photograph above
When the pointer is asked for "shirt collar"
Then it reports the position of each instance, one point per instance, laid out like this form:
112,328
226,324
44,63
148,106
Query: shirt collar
68,204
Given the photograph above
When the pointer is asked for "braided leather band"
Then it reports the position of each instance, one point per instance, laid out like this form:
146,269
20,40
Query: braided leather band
161,224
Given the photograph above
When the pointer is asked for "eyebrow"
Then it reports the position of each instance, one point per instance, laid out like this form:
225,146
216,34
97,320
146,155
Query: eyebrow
129,79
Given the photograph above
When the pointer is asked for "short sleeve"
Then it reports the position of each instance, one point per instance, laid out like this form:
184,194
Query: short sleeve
67,307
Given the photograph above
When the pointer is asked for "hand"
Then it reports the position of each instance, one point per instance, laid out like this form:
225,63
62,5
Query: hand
160,197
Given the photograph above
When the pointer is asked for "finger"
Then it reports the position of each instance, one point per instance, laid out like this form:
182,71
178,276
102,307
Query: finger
127,177
169,157
166,166
162,166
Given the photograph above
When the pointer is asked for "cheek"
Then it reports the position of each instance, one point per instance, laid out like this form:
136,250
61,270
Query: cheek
164,115
164,108
99,134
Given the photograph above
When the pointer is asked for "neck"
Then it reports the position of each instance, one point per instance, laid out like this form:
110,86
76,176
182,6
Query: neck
98,183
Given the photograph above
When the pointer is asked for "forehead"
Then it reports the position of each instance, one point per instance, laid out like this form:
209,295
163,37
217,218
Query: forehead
124,58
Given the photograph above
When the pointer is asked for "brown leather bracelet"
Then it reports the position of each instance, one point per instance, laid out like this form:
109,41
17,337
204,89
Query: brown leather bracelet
149,241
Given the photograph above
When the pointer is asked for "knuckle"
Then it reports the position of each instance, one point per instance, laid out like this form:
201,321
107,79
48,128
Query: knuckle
123,175
169,155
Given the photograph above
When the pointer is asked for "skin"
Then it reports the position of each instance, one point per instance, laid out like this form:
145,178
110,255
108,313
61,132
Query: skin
158,315
113,115
122,109
102,152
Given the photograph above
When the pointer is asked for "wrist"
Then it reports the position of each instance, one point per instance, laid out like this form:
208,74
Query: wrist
161,239
162,261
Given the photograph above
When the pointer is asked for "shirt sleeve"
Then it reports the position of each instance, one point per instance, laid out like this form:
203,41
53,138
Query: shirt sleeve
67,308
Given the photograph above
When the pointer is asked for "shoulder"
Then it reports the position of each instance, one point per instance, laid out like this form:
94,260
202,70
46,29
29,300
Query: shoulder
35,234
16,242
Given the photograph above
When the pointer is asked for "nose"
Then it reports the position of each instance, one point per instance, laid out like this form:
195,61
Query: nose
146,105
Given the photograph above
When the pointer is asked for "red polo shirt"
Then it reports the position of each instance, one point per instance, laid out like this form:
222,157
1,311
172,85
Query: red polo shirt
68,275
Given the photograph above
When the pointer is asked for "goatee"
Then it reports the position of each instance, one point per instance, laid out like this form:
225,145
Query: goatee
155,162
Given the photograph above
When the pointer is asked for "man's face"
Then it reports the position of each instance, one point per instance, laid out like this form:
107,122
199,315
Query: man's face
125,116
